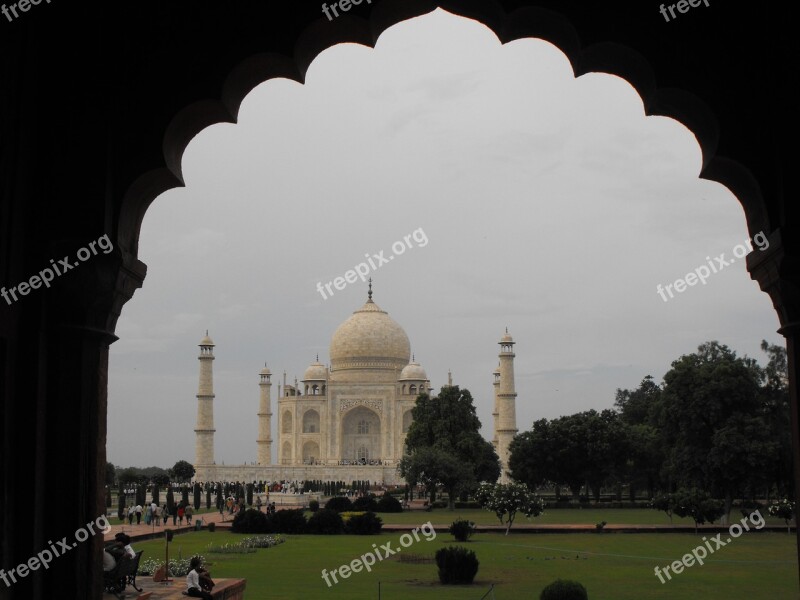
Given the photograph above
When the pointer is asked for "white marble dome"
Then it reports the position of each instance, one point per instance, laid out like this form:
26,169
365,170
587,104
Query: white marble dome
369,339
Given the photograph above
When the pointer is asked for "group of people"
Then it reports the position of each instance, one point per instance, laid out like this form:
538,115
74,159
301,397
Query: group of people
198,582
156,514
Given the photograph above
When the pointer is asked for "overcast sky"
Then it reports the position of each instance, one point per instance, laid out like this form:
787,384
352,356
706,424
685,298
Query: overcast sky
551,205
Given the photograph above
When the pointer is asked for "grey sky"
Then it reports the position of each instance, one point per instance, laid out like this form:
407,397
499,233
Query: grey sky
552,205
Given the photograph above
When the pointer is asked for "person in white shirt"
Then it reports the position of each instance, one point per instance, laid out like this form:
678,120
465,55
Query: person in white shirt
108,561
193,588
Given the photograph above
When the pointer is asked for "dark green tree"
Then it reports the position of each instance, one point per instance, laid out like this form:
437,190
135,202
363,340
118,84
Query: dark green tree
445,446
111,474
699,505
198,495
182,471
710,399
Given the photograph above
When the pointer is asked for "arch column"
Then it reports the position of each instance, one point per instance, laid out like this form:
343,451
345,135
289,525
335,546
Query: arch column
54,405
777,271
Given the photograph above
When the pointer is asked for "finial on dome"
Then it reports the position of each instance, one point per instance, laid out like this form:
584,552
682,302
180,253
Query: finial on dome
369,294
317,356
413,358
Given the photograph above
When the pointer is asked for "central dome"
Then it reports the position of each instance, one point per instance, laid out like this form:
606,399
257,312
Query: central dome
369,339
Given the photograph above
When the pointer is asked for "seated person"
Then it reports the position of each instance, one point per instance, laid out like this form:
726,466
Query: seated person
120,547
193,585
109,562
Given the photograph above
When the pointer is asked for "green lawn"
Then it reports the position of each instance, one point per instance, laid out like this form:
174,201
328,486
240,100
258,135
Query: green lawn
588,516
611,566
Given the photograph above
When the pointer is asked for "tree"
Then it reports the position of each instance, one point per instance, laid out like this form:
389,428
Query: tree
777,415
197,493
160,479
445,446
533,455
111,474
506,500
182,471
637,407
665,503
708,392
121,502
783,510
699,505
170,500
130,475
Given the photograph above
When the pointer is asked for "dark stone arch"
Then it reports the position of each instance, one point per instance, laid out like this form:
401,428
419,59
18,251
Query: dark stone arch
97,104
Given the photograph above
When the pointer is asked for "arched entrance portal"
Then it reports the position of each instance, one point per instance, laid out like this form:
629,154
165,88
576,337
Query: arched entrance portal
361,435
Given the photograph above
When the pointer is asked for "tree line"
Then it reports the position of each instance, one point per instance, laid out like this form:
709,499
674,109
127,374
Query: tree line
717,423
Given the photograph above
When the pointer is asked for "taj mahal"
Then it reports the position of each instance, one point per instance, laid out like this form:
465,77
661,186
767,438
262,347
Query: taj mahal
346,421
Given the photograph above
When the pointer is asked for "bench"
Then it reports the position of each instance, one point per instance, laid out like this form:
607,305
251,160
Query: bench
122,575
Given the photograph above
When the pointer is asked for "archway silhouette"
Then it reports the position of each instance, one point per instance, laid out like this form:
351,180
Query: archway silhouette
132,113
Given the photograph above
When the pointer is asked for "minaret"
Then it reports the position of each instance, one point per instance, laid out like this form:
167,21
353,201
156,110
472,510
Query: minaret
506,424
265,418
204,432
495,415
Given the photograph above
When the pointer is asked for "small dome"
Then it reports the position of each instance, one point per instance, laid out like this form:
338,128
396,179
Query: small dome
506,338
206,341
265,371
315,372
412,371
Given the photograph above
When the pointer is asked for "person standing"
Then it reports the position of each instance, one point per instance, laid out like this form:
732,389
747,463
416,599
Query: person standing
181,512
139,513
258,503
188,513
131,513
148,515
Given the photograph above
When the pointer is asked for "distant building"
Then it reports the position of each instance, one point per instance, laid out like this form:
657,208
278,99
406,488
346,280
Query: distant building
348,421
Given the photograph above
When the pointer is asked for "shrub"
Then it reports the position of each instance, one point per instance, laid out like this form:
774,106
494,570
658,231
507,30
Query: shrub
439,504
287,521
389,504
467,505
339,504
564,589
262,541
347,515
177,567
325,522
366,503
313,505
250,521
365,524
457,565
461,529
